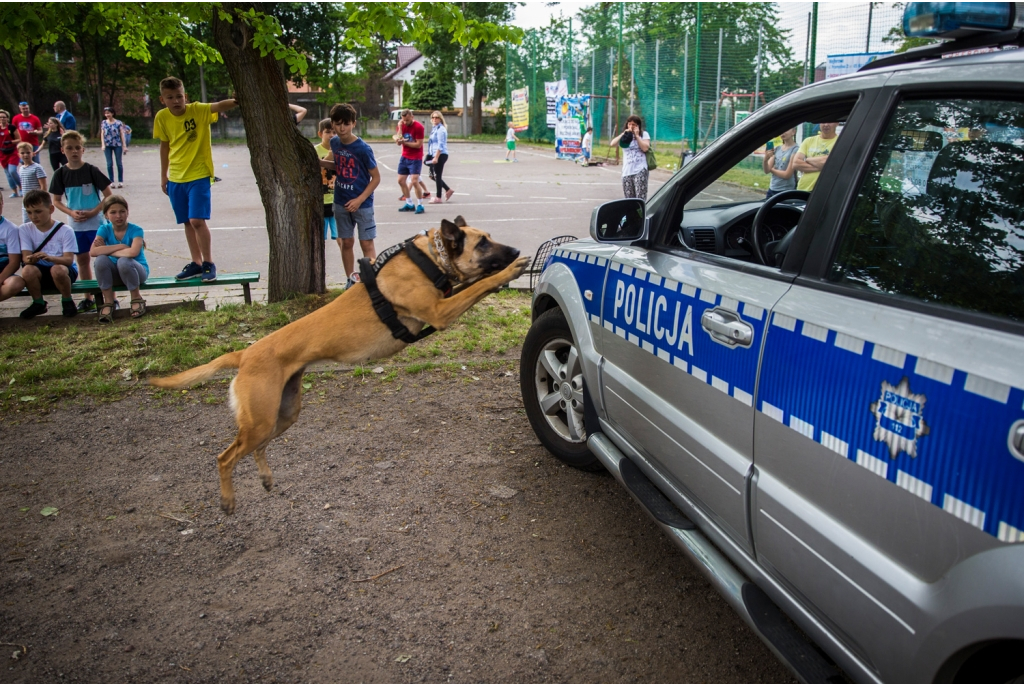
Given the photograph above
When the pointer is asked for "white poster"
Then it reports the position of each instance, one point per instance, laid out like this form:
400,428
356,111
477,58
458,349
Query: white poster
552,90
841,65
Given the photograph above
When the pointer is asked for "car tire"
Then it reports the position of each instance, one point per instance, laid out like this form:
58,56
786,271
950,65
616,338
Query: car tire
550,360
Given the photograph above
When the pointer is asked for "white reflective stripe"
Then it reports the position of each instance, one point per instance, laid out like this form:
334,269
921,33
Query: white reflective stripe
964,511
835,444
934,370
783,321
872,464
773,411
752,311
887,355
810,330
719,384
849,343
699,374
911,484
993,390
743,396
801,426
1008,533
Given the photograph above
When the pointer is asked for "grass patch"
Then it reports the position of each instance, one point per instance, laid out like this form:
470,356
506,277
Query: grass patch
42,365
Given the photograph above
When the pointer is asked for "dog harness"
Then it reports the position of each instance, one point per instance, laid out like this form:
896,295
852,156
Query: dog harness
368,274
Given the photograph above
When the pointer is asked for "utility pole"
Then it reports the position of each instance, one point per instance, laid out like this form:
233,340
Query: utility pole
568,41
807,49
533,69
757,79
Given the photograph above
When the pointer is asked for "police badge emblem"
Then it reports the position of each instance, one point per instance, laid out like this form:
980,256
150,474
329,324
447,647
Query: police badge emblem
899,420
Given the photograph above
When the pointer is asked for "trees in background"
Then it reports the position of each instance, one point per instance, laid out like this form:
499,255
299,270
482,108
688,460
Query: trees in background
433,87
257,55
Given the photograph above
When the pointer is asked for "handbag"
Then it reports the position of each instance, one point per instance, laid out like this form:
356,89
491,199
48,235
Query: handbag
652,161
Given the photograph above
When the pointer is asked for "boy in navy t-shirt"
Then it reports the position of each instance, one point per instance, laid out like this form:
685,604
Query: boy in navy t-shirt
356,178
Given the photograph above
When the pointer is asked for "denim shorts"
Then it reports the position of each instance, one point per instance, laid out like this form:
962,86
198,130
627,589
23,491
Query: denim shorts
190,200
362,217
409,167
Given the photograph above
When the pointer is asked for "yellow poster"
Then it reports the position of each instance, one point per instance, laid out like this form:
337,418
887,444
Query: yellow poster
521,109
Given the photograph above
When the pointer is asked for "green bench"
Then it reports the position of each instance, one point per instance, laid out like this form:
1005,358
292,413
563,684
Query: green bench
167,282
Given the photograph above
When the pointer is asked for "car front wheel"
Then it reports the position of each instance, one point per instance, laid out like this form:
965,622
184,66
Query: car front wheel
551,379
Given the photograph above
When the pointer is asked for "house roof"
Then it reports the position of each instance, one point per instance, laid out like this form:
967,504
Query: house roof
406,55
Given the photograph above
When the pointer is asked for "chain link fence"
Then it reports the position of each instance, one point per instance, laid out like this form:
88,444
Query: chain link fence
695,74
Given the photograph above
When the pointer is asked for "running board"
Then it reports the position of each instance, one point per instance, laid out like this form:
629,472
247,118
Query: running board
756,609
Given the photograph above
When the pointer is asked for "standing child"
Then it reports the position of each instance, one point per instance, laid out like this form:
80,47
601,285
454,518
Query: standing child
51,139
10,257
510,143
323,149
82,187
32,175
48,253
357,177
588,145
186,169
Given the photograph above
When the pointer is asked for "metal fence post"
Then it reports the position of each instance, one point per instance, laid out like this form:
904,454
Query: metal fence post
632,75
686,59
757,79
718,83
657,50
696,84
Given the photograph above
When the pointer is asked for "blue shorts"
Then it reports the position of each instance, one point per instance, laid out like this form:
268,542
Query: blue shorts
190,200
409,167
84,239
330,228
362,217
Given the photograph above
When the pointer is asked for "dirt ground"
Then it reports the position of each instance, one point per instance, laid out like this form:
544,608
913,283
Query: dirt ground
416,531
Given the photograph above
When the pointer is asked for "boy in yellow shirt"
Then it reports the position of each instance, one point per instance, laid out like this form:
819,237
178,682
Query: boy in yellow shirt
810,159
186,169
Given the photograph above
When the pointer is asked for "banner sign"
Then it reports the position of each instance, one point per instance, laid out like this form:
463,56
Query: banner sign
521,109
841,65
572,116
552,90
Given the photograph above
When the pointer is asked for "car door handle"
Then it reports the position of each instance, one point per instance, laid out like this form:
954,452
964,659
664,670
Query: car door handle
726,327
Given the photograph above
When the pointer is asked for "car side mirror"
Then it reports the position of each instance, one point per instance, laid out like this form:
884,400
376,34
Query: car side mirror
618,221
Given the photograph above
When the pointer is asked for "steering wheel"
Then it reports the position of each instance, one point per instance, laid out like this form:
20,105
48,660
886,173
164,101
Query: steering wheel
777,247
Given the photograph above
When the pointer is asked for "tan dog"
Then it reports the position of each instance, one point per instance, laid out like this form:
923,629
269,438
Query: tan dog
266,396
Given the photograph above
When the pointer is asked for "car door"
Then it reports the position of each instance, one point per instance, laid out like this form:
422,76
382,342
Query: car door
890,408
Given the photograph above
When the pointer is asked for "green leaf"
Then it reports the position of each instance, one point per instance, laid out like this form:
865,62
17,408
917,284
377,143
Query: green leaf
307,386
49,511
24,509
28,398
110,518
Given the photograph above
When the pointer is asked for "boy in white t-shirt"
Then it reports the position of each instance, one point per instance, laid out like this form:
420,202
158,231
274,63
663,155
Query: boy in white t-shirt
510,143
588,144
48,252
10,257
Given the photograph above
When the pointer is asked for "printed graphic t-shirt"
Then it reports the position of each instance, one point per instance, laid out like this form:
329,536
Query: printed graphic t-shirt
815,146
191,157
634,160
82,188
62,241
106,231
412,133
352,164
10,241
24,124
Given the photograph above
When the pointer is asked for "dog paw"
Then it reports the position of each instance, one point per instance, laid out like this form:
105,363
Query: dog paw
268,482
227,504
516,268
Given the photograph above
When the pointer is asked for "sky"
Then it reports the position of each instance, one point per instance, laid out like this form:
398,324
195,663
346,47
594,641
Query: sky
842,26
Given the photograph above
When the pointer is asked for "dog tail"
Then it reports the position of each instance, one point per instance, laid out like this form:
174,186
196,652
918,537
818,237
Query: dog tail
231,360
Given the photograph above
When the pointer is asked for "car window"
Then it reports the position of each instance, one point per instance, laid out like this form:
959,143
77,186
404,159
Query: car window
720,218
940,214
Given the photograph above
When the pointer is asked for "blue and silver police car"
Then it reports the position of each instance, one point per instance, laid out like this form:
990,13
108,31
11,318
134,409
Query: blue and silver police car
820,396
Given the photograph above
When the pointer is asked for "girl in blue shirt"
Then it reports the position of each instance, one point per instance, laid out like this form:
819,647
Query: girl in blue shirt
438,155
119,251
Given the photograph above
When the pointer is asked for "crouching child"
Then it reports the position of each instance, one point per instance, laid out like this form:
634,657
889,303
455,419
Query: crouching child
48,253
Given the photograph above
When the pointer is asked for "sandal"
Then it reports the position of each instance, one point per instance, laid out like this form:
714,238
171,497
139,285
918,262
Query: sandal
106,312
138,308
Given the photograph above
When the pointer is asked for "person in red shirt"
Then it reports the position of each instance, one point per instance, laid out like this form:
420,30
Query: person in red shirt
28,126
9,159
410,137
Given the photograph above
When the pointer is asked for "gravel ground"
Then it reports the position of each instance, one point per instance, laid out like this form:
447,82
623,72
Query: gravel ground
416,531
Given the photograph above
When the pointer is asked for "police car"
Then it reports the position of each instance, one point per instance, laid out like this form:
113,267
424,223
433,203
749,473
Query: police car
820,396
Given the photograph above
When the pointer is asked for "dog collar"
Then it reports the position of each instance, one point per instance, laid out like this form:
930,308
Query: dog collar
441,253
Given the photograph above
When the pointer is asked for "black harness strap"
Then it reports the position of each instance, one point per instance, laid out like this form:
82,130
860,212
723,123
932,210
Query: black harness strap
368,273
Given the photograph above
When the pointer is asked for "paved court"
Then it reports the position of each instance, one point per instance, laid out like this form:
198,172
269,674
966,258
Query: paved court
520,204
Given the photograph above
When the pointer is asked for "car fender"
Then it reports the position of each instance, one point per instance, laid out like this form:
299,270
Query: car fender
558,287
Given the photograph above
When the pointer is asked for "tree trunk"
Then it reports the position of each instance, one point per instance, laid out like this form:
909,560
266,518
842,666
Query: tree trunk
479,71
286,166
10,87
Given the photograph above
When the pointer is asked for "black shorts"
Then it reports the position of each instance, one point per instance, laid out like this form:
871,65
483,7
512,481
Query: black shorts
46,278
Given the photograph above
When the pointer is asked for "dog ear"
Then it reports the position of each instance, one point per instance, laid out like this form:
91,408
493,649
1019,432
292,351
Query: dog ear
453,235
460,222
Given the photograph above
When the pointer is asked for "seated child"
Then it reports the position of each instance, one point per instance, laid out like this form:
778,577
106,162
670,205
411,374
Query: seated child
119,251
48,253
10,257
